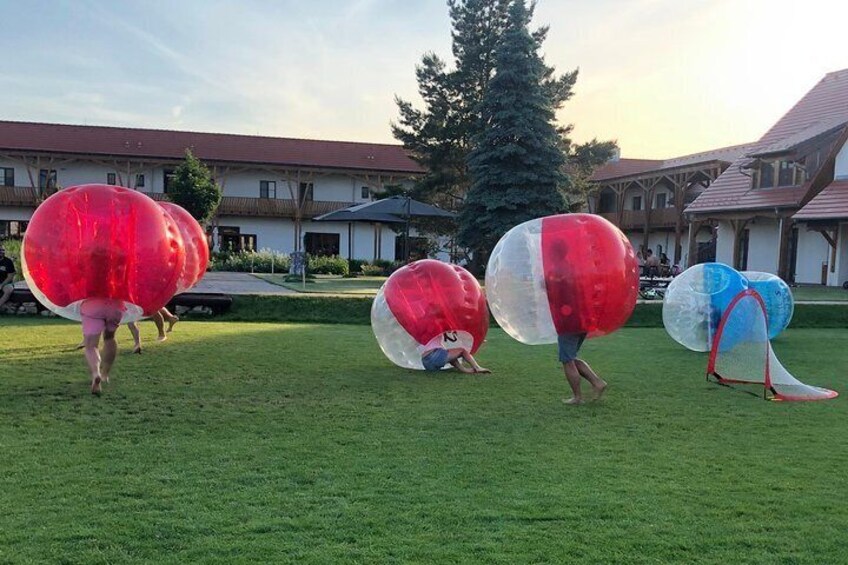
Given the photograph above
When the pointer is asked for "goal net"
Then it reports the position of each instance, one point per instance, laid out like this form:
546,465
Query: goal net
742,353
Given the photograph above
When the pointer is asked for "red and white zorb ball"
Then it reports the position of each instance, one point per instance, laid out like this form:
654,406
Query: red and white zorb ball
420,302
102,242
571,273
195,243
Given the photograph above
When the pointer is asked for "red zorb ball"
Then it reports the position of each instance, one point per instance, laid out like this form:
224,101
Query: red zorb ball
102,242
571,273
423,300
194,241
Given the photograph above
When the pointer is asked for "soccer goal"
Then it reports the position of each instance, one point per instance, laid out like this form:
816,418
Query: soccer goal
741,353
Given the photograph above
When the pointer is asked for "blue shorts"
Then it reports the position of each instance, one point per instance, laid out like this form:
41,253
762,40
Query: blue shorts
435,359
569,345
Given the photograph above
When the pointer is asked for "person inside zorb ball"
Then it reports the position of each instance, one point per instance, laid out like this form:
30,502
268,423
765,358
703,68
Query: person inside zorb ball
561,279
103,255
431,315
696,300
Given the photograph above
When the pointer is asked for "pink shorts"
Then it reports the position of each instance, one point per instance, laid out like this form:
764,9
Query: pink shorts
101,314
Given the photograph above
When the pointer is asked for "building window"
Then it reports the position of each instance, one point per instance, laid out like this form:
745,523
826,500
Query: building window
139,181
366,193
637,203
8,176
267,189
111,178
322,243
231,239
661,197
606,202
168,179
786,174
47,179
304,192
766,178
12,228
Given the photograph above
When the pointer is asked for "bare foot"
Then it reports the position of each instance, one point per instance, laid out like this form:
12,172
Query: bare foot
137,350
598,392
482,370
162,337
573,401
172,322
95,386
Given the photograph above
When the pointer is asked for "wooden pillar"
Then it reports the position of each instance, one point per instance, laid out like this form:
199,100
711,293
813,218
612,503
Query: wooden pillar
833,241
738,227
783,259
694,228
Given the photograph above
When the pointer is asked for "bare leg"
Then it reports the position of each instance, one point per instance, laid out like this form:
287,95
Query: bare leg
110,351
5,293
172,318
573,377
454,356
133,327
92,357
598,384
160,325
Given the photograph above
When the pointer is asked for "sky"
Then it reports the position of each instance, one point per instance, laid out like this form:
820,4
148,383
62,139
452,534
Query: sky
662,77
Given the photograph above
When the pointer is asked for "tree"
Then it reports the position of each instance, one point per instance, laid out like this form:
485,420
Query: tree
582,160
516,165
193,188
440,136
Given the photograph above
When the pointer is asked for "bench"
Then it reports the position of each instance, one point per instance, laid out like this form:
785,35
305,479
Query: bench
218,303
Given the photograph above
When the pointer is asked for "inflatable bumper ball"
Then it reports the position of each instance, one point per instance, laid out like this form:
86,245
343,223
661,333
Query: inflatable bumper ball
195,243
778,299
423,300
102,242
696,300
571,273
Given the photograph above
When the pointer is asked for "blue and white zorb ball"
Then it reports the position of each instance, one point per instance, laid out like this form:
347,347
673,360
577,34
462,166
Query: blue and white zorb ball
780,304
696,300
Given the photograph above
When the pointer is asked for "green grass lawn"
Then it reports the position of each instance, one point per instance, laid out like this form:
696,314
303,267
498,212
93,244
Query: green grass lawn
360,286
820,293
238,442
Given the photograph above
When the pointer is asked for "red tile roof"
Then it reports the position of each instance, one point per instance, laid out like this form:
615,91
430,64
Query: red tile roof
817,112
220,147
624,168
632,167
829,204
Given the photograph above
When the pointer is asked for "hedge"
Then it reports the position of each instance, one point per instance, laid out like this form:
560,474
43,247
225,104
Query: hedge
357,310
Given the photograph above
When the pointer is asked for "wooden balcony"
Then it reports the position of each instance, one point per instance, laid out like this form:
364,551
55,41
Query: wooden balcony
18,196
268,207
661,218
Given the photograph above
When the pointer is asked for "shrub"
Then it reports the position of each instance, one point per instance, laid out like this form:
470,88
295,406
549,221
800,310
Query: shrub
355,266
328,265
371,270
250,261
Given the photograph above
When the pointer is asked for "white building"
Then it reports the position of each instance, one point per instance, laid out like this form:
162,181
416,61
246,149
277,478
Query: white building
272,187
782,206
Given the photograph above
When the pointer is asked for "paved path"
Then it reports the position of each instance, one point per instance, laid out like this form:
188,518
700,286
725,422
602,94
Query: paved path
237,283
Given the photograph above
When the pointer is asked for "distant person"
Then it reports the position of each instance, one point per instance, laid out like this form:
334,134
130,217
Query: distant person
100,317
7,276
641,261
438,352
575,368
652,264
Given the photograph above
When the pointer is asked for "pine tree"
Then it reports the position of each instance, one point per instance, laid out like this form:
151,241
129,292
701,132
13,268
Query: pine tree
516,164
440,136
193,189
